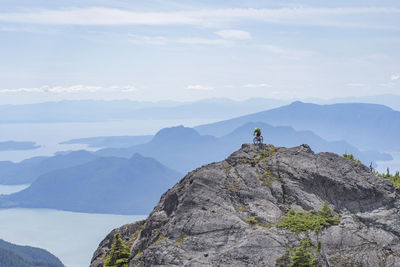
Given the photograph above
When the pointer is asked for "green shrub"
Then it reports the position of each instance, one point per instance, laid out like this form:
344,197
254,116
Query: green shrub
119,253
300,221
394,178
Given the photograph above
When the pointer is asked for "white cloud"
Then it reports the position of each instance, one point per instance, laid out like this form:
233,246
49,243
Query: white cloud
128,89
202,41
200,87
161,40
339,17
284,52
388,85
234,34
395,76
355,85
151,40
257,85
71,89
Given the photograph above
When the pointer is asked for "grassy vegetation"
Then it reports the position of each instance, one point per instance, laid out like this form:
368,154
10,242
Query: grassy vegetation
350,156
300,221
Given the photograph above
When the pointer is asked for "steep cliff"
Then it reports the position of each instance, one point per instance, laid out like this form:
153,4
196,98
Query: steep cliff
270,206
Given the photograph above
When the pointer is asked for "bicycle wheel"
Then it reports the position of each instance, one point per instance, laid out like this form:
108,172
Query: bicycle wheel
255,140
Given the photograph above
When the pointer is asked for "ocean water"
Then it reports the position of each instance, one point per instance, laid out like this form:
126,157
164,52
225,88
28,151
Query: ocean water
71,236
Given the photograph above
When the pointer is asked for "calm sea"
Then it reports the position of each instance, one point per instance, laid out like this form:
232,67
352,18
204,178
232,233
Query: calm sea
71,236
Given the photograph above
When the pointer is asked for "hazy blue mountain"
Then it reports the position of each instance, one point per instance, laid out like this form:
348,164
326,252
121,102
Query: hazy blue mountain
91,110
12,255
17,145
179,148
103,185
390,100
366,126
184,149
111,141
25,172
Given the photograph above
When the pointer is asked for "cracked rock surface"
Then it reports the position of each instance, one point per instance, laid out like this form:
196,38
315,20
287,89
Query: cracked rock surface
204,219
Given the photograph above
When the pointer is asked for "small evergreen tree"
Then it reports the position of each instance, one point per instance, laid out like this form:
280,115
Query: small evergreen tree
119,253
302,257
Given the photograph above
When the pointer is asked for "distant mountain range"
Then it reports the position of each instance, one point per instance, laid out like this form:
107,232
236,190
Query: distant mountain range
25,172
103,185
366,126
25,256
184,149
17,145
214,108
92,111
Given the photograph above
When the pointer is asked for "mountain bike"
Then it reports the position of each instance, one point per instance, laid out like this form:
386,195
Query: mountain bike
258,141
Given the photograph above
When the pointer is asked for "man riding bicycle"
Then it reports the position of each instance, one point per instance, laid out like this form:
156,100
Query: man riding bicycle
258,132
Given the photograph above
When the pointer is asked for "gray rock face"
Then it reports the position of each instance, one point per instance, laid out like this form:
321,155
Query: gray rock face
204,219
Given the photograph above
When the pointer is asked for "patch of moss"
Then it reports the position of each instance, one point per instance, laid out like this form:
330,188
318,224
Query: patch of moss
242,208
267,183
160,239
134,237
234,187
227,169
254,222
300,221
138,255
180,239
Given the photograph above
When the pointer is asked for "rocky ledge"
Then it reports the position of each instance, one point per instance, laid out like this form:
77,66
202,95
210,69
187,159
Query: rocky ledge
270,206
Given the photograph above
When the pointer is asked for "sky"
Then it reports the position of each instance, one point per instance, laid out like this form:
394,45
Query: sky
190,50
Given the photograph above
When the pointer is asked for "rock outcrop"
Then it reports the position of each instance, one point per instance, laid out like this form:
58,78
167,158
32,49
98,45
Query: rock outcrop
229,213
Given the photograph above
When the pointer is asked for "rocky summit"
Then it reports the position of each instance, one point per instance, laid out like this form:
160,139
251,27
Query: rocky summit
270,206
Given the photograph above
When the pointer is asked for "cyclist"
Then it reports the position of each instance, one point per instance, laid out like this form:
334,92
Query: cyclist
258,132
